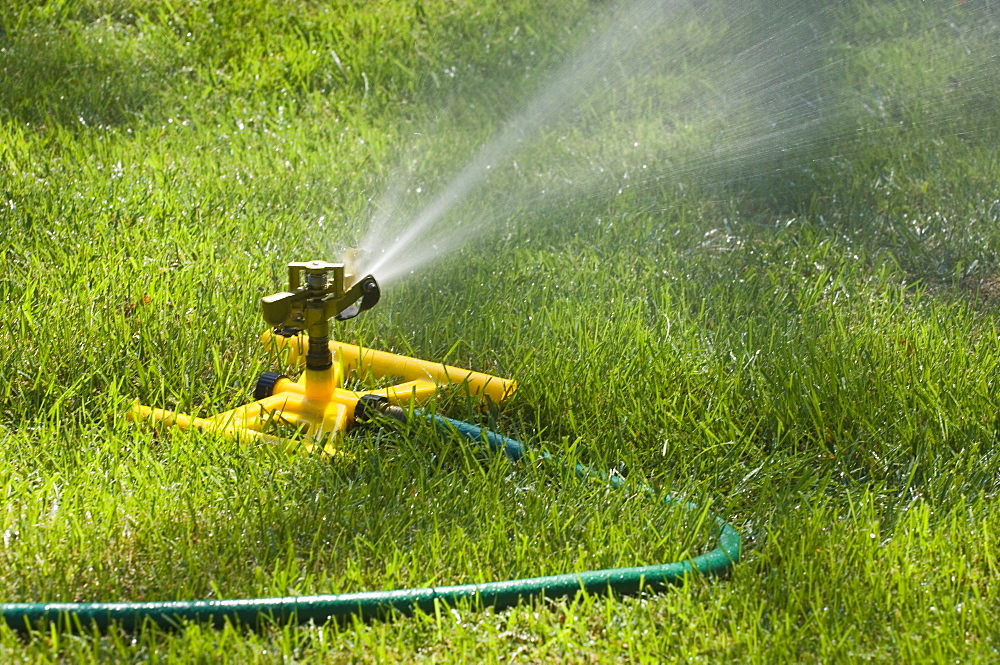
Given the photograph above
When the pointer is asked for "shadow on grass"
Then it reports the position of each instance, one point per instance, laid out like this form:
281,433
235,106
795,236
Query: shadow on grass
94,75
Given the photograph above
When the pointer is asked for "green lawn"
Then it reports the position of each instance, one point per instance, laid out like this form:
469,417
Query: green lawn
752,259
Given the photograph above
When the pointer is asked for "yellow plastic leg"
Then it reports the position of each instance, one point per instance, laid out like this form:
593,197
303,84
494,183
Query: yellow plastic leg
421,374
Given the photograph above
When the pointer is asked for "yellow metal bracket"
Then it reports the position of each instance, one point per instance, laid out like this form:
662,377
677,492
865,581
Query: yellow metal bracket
317,406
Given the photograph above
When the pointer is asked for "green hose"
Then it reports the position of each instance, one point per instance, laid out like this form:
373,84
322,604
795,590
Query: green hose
374,604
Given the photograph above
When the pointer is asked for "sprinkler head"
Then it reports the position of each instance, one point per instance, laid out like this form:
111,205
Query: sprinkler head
317,293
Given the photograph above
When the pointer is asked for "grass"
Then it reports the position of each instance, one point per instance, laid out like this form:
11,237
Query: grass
796,327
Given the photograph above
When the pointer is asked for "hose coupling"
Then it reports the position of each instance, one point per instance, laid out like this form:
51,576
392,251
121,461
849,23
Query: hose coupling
369,407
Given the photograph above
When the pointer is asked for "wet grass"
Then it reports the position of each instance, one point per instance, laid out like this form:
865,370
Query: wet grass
798,331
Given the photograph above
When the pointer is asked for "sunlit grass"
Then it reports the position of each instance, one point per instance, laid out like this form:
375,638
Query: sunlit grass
799,334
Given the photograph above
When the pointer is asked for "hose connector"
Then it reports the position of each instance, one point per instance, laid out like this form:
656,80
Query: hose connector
370,407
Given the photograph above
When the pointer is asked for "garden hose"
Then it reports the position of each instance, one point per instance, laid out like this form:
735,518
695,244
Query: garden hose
319,609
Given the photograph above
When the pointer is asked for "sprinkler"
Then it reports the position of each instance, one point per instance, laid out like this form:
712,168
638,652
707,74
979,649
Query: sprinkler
316,407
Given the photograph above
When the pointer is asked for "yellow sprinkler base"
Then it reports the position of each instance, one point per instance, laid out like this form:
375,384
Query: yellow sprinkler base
317,407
